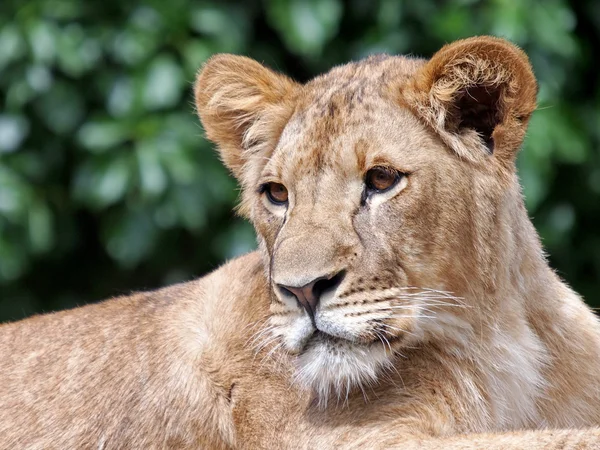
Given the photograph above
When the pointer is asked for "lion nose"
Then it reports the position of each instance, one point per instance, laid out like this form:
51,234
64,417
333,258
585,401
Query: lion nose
310,294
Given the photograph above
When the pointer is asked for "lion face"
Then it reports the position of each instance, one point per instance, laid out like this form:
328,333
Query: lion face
356,259
375,191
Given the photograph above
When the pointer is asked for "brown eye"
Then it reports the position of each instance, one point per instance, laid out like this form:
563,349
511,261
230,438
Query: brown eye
277,193
381,179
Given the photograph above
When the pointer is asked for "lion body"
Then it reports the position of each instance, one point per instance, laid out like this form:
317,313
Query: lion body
445,329
173,369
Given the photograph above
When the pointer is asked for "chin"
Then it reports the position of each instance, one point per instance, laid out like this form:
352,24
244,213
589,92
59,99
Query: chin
332,367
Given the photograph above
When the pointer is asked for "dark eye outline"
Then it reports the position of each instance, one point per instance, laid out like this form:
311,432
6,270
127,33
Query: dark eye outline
264,189
373,190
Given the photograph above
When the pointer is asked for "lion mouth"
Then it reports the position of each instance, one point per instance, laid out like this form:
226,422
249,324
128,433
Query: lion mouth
322,338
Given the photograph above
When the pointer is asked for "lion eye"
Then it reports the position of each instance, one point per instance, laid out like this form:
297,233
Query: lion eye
381,179
276,193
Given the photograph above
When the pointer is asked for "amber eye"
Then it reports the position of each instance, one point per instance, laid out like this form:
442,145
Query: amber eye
381,179
276,193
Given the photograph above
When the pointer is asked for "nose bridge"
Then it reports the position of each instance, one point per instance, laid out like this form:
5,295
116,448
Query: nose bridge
303,256
309,248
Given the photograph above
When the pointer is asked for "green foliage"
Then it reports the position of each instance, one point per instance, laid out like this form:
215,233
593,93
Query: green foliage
106,184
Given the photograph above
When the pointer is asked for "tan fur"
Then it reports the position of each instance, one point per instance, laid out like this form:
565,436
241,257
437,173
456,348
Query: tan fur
452,331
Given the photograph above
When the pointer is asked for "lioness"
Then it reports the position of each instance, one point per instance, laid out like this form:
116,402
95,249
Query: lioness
400,296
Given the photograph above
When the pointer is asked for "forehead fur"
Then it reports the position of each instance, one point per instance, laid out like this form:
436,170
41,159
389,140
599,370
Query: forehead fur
356,81
362,85
346,118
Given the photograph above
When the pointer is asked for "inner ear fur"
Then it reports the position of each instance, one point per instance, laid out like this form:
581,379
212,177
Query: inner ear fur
243,107
478,94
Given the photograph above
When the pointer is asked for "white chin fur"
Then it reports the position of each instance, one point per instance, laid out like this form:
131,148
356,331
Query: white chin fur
335,368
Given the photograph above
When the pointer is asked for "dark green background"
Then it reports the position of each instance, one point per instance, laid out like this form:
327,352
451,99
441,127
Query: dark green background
107,186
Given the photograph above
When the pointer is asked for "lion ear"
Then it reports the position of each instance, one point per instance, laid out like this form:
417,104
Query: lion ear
478,94
243,107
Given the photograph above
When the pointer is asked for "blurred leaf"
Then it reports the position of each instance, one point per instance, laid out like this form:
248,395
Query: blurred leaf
164,83
455,22
100,182
195,54
40,227
191,208
552,27
19,93
39,78
12,45
76,52
129,238
121,97
61,108
42,39
305,25
132,46
225,23
59,9
237,240
153,180
13,129
15,195
13,260
390,14
510,20
100,135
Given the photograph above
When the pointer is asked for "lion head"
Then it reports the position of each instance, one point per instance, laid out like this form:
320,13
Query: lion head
383,193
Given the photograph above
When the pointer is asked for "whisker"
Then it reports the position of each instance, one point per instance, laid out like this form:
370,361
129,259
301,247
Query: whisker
266,343
381,324
259,335
420,288
255,333
360,386
439,301
443,294
268,355
268,339
433,300
407,316
250,325
392,366
387,342
429,295
401,330
412,316
382,338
